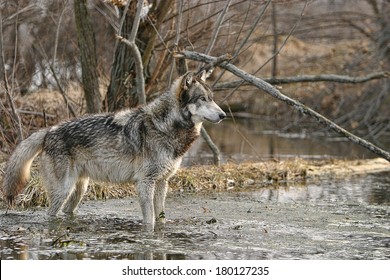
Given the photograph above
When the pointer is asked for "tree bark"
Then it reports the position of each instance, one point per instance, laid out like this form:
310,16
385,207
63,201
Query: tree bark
119,90
87,47
269,89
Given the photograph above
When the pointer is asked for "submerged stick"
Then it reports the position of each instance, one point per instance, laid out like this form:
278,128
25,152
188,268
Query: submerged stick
269,89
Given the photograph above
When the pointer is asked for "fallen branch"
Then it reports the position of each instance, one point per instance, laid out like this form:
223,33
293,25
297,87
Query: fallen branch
214,148
269,89
309,79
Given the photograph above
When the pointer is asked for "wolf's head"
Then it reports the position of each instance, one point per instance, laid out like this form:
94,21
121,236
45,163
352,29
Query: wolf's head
196,97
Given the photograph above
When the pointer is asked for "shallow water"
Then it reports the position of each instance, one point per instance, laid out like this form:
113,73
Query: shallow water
343,219
256,140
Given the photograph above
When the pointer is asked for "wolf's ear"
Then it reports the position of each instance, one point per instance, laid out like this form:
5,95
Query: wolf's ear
182,94
203,75
187,80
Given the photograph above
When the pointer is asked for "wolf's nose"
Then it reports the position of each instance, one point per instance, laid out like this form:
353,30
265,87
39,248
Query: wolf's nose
222,116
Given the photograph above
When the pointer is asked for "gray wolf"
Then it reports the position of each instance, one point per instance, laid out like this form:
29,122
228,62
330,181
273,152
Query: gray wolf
144,145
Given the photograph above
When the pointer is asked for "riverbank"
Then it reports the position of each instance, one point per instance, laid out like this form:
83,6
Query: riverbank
229,176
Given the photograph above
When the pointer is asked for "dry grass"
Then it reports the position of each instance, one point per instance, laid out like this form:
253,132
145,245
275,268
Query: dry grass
231,175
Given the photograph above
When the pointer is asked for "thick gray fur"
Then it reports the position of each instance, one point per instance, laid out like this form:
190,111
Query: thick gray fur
144,145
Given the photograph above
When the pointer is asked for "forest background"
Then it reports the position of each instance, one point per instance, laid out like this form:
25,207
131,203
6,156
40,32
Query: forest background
62,59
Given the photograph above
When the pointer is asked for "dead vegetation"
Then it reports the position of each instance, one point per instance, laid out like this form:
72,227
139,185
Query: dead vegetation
226,177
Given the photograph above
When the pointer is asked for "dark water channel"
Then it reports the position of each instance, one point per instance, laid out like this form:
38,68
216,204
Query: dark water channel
343,219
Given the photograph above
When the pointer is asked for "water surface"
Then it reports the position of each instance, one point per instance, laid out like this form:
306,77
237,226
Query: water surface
343,219
255,140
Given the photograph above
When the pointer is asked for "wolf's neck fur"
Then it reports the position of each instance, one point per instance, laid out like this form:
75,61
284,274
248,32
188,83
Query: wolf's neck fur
173,121
168,115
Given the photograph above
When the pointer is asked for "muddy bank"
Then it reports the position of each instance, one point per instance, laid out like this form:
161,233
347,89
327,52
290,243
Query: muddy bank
341,218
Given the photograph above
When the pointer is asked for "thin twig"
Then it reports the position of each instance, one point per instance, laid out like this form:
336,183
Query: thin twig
217,28
275,53
34,113
53,72
15,115
56,39
248,35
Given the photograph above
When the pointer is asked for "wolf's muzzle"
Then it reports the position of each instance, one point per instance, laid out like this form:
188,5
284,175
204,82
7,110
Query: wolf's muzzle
221,116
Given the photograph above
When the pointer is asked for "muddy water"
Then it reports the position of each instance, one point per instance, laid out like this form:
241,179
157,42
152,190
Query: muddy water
347,219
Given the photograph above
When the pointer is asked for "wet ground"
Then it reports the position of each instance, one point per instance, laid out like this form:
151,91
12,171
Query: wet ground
343,219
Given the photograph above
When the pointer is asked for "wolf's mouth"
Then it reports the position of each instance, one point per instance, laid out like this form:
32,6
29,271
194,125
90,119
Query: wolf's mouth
215,120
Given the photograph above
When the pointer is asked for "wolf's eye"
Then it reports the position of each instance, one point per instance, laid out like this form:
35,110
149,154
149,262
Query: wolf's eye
203,98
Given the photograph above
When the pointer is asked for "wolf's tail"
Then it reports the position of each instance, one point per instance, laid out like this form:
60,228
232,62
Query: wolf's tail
17,171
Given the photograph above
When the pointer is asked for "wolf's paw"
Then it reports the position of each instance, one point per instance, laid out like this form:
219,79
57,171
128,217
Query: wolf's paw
161,217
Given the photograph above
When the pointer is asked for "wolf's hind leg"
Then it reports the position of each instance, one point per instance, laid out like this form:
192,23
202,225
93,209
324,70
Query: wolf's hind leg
159,200
59,180
60,193
76,196
145,191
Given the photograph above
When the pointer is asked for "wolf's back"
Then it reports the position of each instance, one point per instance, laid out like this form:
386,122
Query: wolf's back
17,172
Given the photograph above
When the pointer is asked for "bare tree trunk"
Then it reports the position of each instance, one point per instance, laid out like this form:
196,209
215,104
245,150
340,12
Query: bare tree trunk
87,46
118,91
123,91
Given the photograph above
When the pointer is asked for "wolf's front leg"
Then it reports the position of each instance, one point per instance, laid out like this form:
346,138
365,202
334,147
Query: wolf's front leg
145,191
159,200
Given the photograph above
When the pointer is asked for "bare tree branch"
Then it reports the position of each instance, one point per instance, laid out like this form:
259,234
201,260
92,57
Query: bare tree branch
53,72
140,80
217,27
215,63
214,148
163,9
245,40
277,51
14,113
269,89
310,79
